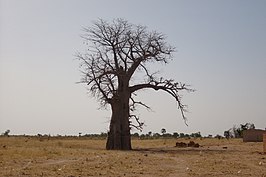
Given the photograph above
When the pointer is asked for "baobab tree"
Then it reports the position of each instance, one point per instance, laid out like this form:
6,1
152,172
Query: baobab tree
116,52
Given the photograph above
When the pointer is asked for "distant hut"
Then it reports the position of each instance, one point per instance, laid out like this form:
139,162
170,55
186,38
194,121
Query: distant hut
253,135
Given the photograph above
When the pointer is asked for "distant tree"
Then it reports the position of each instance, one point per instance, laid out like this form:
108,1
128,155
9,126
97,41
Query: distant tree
150,134
227,134
237,131
117,51
175,135
103,135
168,135
156,135
218,136
142,136
198,135
252,126
242,127
136,135
6,133
247,126
209,136
163,131
181,135
195,135
39,135
187,135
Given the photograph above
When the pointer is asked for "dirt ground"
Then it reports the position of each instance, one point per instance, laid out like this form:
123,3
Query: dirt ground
73,157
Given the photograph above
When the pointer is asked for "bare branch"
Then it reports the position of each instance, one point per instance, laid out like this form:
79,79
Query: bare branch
134,103
168,86
139,125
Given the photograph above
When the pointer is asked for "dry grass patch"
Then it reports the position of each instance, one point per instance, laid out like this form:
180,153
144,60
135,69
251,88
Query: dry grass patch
21,156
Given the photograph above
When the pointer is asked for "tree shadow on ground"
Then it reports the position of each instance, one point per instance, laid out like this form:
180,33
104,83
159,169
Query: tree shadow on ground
176,150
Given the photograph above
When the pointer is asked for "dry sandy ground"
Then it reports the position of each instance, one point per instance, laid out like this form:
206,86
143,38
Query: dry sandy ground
32,156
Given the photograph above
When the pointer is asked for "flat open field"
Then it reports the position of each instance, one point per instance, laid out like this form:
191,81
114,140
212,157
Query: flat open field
32,156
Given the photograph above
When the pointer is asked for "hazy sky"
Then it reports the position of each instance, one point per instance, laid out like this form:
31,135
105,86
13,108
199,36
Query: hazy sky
221,52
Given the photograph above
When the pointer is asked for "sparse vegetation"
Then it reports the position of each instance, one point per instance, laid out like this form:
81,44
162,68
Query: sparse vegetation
6,133
155,154
84,156
237,131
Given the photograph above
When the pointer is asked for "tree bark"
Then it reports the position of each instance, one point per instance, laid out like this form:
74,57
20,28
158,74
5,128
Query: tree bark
119,132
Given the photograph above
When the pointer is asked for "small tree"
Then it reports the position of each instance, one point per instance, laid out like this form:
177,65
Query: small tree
156,135
163,131
117,51
136,135
182,135
150,134
175,135
247,126
227,134
195,135
6,133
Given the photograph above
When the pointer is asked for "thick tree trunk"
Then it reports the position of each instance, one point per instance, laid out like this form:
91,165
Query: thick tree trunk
119,133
